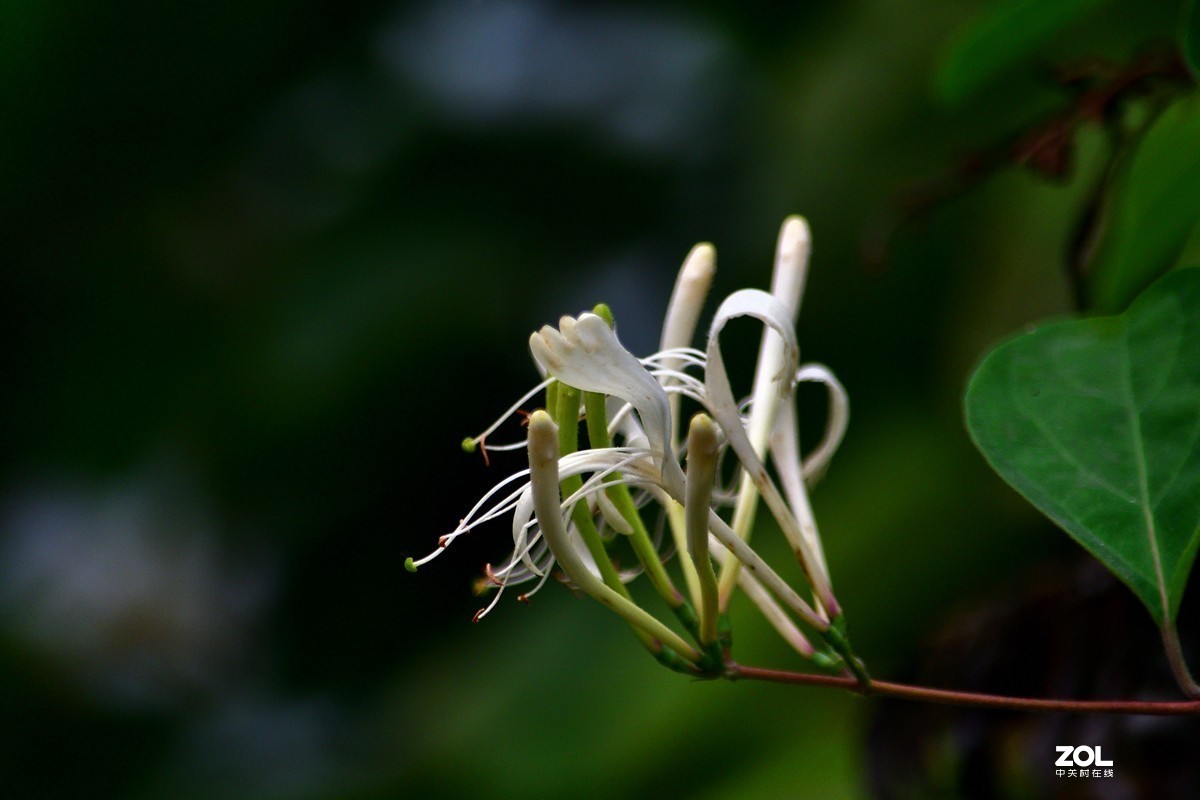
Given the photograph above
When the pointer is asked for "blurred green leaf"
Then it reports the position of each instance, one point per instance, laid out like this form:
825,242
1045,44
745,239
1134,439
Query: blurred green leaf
1155,208
1097,423
1007,34
1190,35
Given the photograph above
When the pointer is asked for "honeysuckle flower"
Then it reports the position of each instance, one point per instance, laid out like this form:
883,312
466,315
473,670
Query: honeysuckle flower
585,353
569,496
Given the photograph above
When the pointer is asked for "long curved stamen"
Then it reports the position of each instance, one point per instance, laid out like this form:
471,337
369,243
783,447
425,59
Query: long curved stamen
469,522
470,443
676,357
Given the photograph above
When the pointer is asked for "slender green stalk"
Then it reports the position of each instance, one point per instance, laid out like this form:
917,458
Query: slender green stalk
837,639
596,416
702,470
761,570
743,525
543,477
677,523
552,398
1179,667
567,416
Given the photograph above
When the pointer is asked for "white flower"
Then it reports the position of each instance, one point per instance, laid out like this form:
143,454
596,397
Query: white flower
585,353
633,460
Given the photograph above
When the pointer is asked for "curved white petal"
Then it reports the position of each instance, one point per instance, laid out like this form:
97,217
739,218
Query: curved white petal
586,354
687,298
837,420
774,314
683,312
786,455
791,263
774,354
723,407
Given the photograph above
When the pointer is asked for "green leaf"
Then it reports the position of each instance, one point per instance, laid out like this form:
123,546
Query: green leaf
1155,208
1097,423
1008,34
1190,36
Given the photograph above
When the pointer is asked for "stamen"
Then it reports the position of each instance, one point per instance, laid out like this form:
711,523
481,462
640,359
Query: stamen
469,443
483,612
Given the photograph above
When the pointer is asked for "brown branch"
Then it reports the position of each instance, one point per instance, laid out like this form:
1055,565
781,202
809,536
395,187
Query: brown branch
1097,92
968,699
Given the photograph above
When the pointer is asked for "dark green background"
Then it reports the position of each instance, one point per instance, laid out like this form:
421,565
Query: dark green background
267,263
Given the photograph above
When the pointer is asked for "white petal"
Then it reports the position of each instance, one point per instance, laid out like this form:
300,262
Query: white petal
611,515
586,354
785,453
522,516
683,312
723,407
721,403
837,420
687,298
774,355
791,263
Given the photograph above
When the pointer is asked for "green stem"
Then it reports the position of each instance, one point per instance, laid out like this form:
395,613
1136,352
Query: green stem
837,639
702,469
1179,667
552,398
596,416
544,481
567,415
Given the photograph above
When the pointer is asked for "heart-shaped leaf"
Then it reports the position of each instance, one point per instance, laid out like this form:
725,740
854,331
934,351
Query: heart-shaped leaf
1097,423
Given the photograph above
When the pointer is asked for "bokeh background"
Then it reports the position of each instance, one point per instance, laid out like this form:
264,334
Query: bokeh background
267,263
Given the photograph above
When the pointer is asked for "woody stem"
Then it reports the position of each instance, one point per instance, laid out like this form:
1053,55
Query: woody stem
967,699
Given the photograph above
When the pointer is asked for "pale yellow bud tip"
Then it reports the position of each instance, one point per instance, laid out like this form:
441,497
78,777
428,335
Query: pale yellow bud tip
700,264
702,437
543,439
794,234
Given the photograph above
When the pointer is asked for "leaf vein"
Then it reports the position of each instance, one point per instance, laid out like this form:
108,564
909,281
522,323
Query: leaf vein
1135,423
1071,458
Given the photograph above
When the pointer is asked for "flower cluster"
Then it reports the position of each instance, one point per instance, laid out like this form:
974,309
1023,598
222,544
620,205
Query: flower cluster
573,504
